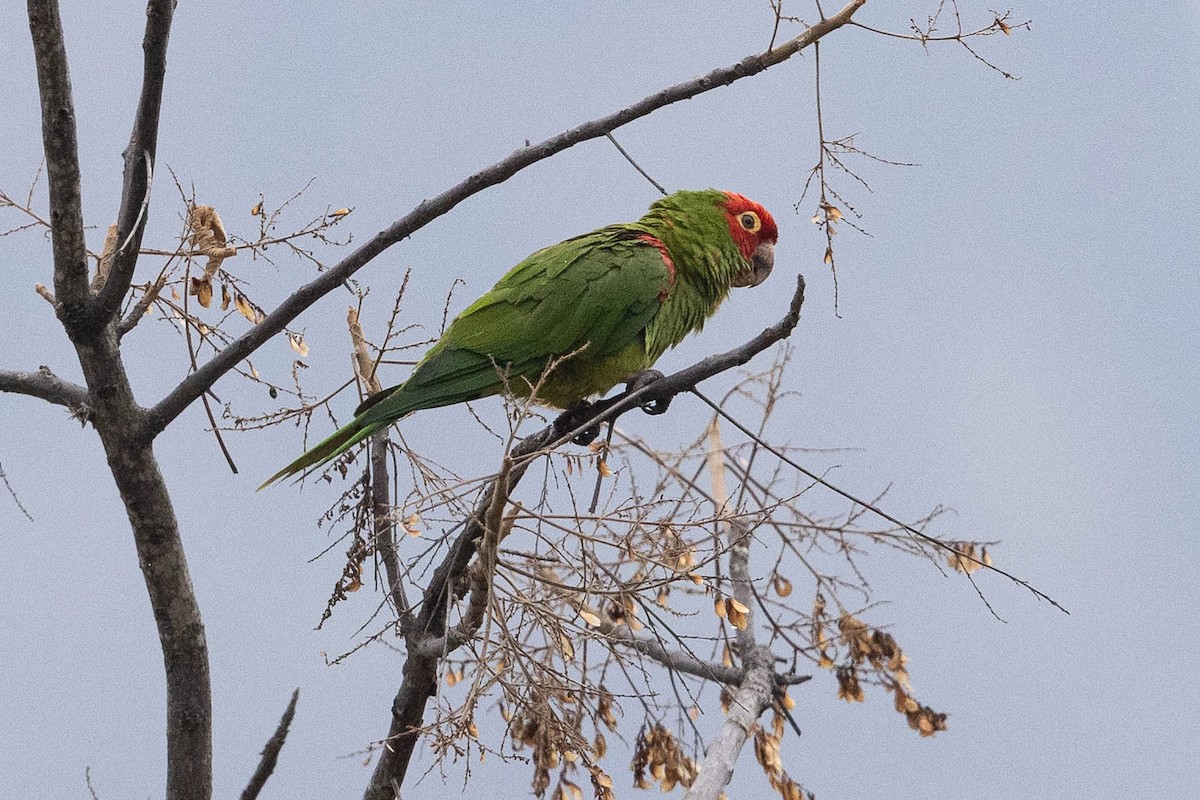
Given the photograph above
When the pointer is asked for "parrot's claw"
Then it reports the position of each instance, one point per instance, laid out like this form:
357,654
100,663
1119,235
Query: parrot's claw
643,379
586,437
573,417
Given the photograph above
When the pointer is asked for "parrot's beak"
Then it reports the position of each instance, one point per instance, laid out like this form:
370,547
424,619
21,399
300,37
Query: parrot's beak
761,264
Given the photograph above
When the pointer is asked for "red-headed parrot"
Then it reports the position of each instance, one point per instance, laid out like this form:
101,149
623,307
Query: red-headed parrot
615,298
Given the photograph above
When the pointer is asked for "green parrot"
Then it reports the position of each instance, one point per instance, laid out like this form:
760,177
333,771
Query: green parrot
610,301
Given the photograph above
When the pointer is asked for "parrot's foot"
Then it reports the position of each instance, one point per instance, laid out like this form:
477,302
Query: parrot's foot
643,379
576,415
586,437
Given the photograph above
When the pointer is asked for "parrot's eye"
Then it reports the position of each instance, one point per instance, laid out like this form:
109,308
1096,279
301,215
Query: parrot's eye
750,221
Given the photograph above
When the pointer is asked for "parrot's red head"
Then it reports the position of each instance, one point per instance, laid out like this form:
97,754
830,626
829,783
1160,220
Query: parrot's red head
753,230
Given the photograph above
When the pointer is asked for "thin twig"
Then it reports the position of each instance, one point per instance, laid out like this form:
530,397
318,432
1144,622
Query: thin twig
637,166
13,492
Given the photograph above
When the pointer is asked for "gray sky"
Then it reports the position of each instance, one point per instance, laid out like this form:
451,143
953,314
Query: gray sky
1017,341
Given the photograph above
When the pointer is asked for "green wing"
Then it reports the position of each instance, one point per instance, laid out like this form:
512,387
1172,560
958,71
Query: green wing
596,292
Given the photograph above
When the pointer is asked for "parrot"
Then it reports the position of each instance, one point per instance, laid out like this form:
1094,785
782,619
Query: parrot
600,307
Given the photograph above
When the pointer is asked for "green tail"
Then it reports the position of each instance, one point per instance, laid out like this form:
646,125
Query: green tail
338,442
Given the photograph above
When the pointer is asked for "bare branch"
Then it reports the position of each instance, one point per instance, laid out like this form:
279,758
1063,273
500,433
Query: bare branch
677,660
140,159
49,387
270,753
202,379
751,698
62,163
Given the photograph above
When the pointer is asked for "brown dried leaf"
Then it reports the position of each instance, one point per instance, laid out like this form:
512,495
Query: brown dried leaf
783,587
247,309
296,340
208,236
736,613
201,289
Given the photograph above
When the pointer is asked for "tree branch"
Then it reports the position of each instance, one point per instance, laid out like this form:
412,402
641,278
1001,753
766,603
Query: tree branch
677,660
270,753
62,165
140,158
751,698
49,387
203,379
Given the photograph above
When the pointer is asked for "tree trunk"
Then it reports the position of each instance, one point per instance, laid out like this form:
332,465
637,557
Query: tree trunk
121,425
